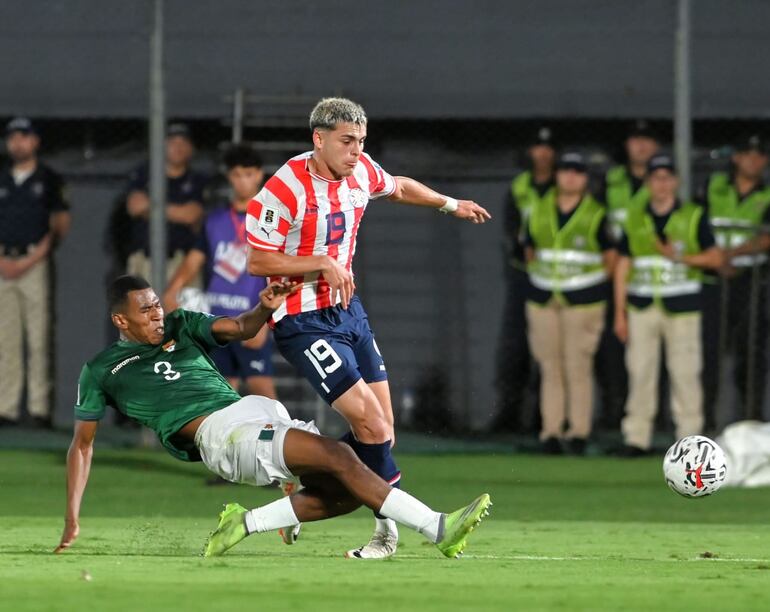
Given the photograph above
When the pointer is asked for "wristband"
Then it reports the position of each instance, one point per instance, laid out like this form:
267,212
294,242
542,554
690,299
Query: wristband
450,206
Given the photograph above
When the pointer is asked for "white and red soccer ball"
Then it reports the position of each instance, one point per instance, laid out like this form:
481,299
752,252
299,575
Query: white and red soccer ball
695,466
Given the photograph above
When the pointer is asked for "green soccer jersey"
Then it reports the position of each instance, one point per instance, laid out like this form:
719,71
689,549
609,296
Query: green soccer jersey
163,387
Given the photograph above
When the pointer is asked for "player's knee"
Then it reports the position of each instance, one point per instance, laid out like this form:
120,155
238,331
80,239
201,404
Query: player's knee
372,430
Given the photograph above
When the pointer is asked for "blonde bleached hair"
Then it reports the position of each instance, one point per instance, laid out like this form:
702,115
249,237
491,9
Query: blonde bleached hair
329,112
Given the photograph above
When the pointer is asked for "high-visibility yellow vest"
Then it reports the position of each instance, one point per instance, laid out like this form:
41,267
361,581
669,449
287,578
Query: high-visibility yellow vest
652,275
567,258
736,222
525,195
620,198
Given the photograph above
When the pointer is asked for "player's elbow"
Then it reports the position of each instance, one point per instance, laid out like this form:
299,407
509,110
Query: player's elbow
398,192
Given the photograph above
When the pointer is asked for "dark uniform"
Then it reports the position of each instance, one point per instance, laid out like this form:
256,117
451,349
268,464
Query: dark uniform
180,190
735,219
26,206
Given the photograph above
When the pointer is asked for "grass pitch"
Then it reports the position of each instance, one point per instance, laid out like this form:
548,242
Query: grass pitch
564,534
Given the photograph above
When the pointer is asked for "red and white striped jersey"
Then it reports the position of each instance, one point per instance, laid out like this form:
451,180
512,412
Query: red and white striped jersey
300,213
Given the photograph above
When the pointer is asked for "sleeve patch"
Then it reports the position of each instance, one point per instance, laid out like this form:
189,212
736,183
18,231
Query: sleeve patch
268,219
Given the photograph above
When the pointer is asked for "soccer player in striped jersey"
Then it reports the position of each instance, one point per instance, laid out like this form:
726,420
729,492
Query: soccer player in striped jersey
302,227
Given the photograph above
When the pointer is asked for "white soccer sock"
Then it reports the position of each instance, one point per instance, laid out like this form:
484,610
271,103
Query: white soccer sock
386,525
410,511
275,515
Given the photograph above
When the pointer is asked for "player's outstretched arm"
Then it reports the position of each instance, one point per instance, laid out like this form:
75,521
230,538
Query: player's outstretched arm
409,191
78,467
247,324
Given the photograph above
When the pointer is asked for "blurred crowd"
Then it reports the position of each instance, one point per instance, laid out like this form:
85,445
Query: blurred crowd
621,296
616,283
205,259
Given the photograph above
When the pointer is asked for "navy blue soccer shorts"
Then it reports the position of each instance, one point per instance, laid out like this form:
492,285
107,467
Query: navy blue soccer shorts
332,348
236,361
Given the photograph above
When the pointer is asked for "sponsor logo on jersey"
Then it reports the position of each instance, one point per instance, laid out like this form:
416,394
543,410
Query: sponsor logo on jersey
117,368
170,346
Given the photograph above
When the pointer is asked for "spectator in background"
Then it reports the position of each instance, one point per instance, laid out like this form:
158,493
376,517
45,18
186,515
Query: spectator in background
34,217
184,205
738,205
658,278
514,371
624,187
222,247
570,259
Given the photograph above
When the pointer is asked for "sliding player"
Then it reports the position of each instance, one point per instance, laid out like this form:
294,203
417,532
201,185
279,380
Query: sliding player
160,374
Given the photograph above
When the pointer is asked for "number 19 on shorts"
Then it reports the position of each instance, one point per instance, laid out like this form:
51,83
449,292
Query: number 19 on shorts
324,359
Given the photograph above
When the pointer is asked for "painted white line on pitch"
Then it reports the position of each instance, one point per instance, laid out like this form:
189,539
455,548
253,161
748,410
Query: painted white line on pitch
546,558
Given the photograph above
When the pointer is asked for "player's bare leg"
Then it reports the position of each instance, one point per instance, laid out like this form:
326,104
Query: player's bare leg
319,459
371,421
381,391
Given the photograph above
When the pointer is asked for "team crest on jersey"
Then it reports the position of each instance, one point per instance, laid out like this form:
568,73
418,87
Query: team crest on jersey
357,198
268,219
170,346
579,242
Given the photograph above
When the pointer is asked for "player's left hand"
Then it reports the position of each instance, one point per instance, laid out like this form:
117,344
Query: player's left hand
275,293
469,210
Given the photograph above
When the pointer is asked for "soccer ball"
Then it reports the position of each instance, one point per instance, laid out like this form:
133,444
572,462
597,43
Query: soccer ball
695,466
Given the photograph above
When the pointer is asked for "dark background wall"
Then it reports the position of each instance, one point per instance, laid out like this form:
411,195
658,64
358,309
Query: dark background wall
425,58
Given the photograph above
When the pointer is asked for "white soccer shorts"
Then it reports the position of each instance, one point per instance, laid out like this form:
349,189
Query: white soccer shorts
244,442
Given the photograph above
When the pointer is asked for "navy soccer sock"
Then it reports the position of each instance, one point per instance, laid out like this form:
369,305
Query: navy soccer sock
378,458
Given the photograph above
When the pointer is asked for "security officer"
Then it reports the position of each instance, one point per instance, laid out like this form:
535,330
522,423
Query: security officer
527,189
624,186
34,217
570,259
665,247
739,210
184,205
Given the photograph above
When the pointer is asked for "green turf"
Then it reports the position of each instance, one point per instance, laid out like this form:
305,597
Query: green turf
564,534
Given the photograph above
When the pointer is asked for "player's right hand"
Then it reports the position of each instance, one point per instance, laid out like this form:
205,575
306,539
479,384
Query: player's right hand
68,536
340,281
470,211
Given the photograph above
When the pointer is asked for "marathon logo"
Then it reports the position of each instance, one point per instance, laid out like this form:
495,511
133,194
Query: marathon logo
117,368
